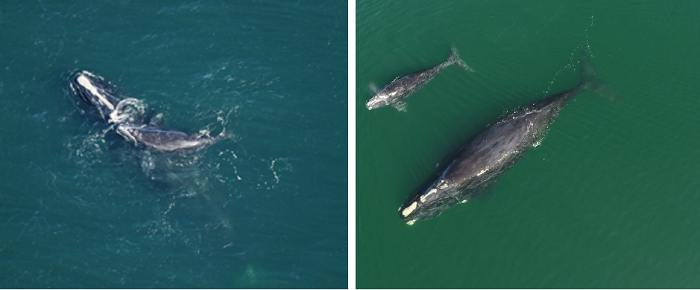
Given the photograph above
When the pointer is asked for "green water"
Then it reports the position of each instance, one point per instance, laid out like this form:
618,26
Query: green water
264,208
611,197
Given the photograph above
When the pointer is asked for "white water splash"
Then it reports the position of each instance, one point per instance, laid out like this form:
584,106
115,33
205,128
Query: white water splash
129,110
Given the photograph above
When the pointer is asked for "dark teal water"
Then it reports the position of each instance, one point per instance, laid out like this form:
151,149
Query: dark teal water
611,196
264,208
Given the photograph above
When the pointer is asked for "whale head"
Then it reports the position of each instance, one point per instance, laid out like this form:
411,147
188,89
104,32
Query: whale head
379,100
95,91
429,202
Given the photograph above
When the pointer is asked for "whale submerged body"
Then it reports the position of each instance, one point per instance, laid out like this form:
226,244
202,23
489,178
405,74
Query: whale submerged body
130,120
493,151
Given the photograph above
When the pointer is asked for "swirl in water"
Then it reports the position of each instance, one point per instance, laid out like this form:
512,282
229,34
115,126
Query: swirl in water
128,110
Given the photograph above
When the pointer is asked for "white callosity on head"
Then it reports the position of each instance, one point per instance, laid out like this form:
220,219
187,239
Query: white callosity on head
85,82
425,196
409,209
442,184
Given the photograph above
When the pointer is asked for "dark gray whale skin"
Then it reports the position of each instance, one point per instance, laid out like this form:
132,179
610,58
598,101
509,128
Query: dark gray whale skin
165,140
490,153
406,85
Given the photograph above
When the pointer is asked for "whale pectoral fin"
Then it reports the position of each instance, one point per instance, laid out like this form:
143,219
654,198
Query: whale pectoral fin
401,106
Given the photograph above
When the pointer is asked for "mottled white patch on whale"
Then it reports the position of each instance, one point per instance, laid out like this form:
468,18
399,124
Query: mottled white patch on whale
87,84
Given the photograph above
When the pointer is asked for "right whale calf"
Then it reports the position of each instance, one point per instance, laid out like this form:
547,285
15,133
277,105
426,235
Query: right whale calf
493,151
393,93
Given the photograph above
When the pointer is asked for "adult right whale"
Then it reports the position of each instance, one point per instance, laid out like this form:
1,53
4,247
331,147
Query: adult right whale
493,151
393,93
131,121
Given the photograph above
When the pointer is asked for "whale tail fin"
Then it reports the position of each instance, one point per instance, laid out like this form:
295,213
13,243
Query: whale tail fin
589,79
454,59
